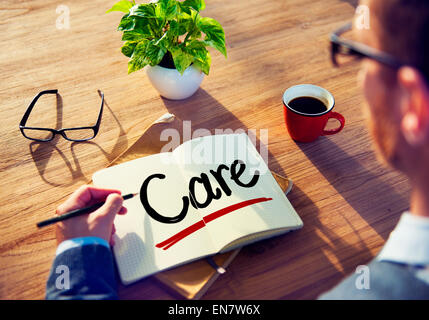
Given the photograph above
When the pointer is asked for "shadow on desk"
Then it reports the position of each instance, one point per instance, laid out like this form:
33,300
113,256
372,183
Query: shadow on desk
371,197
45,152
336,258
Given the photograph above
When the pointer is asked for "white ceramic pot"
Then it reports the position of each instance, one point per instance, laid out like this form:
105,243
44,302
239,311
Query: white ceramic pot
172,85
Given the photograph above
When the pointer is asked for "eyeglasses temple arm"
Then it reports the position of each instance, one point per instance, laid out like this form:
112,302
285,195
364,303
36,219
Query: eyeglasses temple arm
101,94
33,102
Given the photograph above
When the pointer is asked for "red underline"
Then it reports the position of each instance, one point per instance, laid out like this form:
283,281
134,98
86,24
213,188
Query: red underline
202,223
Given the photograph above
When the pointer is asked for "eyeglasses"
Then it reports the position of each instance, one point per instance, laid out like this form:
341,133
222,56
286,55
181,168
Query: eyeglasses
344,51
47,134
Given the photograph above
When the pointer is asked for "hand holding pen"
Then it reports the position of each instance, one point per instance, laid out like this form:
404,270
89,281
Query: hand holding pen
88,212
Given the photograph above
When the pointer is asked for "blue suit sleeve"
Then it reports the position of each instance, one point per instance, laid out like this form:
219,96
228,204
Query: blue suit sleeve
82,272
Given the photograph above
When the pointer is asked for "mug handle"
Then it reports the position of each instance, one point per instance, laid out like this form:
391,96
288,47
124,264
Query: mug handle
340,118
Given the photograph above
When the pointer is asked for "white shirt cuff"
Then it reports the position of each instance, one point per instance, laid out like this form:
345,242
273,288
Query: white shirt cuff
78,242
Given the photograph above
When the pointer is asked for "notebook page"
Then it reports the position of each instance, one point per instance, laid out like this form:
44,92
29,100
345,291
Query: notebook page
246,210
137,233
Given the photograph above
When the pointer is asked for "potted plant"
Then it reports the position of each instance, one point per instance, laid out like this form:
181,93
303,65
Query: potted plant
171,38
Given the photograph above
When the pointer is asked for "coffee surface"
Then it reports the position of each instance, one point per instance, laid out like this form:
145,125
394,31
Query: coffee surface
308,105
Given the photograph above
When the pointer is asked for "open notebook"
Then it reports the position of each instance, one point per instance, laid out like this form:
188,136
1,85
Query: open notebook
210,195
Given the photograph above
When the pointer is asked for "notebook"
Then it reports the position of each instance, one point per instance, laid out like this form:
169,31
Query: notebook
210,195
190,280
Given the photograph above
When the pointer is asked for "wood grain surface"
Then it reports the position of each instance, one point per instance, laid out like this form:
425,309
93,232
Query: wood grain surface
349,203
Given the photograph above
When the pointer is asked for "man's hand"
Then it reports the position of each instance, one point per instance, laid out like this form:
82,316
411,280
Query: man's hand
96,224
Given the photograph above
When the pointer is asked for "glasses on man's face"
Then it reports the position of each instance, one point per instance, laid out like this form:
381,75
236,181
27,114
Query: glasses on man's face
47,134
345,51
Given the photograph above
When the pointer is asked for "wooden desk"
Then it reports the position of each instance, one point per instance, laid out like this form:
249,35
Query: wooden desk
349,202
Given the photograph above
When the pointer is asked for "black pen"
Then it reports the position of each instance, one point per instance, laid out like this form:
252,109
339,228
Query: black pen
78,212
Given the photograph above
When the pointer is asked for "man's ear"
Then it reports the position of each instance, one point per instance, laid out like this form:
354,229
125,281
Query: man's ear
414,106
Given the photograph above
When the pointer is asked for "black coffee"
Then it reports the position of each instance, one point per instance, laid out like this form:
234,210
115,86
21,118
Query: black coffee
308,105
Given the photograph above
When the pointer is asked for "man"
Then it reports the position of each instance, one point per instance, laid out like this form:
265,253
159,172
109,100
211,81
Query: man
397,92
396,84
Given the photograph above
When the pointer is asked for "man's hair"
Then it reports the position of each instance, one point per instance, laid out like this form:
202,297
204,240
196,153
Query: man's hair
404,31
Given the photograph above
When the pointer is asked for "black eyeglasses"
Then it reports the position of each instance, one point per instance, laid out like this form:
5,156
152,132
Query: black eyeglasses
47,134
344,50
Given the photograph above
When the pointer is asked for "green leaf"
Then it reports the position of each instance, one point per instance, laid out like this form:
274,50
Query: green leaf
127,23
143,26
154,53
190,21
135,65
147,12
128,48
215,44
141,30
165,40
135,35
197,49
204,66
202,59
195,34
183,9
195,4
144,10
168,9
182,60
215,36
138,59
176,28
122,6
185,22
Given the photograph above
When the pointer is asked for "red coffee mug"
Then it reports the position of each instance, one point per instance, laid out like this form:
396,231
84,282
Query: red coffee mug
304,127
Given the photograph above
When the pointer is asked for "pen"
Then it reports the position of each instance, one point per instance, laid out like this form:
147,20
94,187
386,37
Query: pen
78,212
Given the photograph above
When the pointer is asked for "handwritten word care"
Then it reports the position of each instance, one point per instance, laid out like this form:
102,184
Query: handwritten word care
236,169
